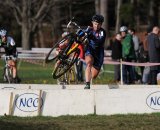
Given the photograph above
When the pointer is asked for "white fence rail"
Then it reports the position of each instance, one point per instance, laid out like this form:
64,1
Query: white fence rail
38,53
51,100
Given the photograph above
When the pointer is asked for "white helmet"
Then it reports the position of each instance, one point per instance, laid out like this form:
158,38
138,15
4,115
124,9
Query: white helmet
123,29
3,32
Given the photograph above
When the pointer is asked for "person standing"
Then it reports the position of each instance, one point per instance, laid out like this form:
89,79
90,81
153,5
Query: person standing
94,54
117,55
128,55
136,42
154,53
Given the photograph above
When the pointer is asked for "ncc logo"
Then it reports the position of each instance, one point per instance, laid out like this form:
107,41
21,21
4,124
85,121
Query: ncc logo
28,102
153,100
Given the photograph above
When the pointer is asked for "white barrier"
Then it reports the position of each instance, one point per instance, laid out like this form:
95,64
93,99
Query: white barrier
68,102
53,100
124,101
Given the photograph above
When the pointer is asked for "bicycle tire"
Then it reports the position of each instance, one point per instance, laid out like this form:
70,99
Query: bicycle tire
71,76
62,80
51,55
64,66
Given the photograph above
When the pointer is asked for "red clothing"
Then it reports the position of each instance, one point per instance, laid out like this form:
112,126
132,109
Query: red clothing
81,47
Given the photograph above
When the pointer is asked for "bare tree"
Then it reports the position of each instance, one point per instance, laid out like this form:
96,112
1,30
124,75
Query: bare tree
97,6
119,2
104,12
29,13
151,12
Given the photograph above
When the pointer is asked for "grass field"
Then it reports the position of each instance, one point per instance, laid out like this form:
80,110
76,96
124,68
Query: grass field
42,74
90,122
34,73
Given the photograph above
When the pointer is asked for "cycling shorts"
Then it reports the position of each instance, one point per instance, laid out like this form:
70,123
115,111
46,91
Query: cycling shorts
98,56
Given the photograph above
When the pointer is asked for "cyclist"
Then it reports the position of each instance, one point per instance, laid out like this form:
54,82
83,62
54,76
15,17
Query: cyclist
94,54
10,50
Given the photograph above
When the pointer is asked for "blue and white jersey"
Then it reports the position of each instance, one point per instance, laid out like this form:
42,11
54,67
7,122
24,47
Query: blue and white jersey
95,48
97,38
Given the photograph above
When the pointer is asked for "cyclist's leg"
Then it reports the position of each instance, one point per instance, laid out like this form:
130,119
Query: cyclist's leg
98,62
89,63
12,64
95,72
88,74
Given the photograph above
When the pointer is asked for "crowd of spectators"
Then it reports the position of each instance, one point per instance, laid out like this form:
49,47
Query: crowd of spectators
128,47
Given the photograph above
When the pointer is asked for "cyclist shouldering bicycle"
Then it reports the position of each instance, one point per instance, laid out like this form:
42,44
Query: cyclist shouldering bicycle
94,51
94,54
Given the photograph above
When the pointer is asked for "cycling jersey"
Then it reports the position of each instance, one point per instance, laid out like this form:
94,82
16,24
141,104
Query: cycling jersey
96,46
96,38
9,46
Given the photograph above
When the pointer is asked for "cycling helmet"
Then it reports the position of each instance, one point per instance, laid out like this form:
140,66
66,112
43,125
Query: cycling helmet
98,18
123,29
3,33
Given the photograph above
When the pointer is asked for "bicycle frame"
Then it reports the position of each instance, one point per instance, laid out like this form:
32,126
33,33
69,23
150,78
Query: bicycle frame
8,74
85,37
70,77
68,55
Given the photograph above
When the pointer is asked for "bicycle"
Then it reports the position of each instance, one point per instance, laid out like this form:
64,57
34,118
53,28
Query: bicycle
65,58
70,77
8,73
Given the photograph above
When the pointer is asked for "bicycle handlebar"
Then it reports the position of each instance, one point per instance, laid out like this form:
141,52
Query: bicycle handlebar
80,32
74,23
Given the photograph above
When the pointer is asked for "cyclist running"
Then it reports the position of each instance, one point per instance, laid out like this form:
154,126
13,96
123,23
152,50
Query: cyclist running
94,54
10,50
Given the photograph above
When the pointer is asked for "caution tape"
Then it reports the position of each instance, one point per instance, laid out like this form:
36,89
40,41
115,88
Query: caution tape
108,61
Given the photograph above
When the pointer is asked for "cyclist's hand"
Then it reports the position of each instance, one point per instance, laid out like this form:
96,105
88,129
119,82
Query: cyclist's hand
91,36
89,28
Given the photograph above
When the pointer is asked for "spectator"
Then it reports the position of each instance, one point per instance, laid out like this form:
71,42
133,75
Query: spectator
136,43
154,53
79,64
128,54
117,55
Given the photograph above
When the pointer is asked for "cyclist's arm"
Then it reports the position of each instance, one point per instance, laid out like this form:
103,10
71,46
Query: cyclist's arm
101,39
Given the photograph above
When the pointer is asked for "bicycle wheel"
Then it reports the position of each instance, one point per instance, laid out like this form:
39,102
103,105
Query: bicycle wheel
8,75
54,52
64,65
62,80
71,76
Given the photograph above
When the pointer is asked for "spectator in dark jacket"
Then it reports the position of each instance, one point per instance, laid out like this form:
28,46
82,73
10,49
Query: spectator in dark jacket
154,53
117,55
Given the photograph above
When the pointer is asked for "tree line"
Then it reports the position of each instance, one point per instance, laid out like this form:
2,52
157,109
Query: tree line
38,23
